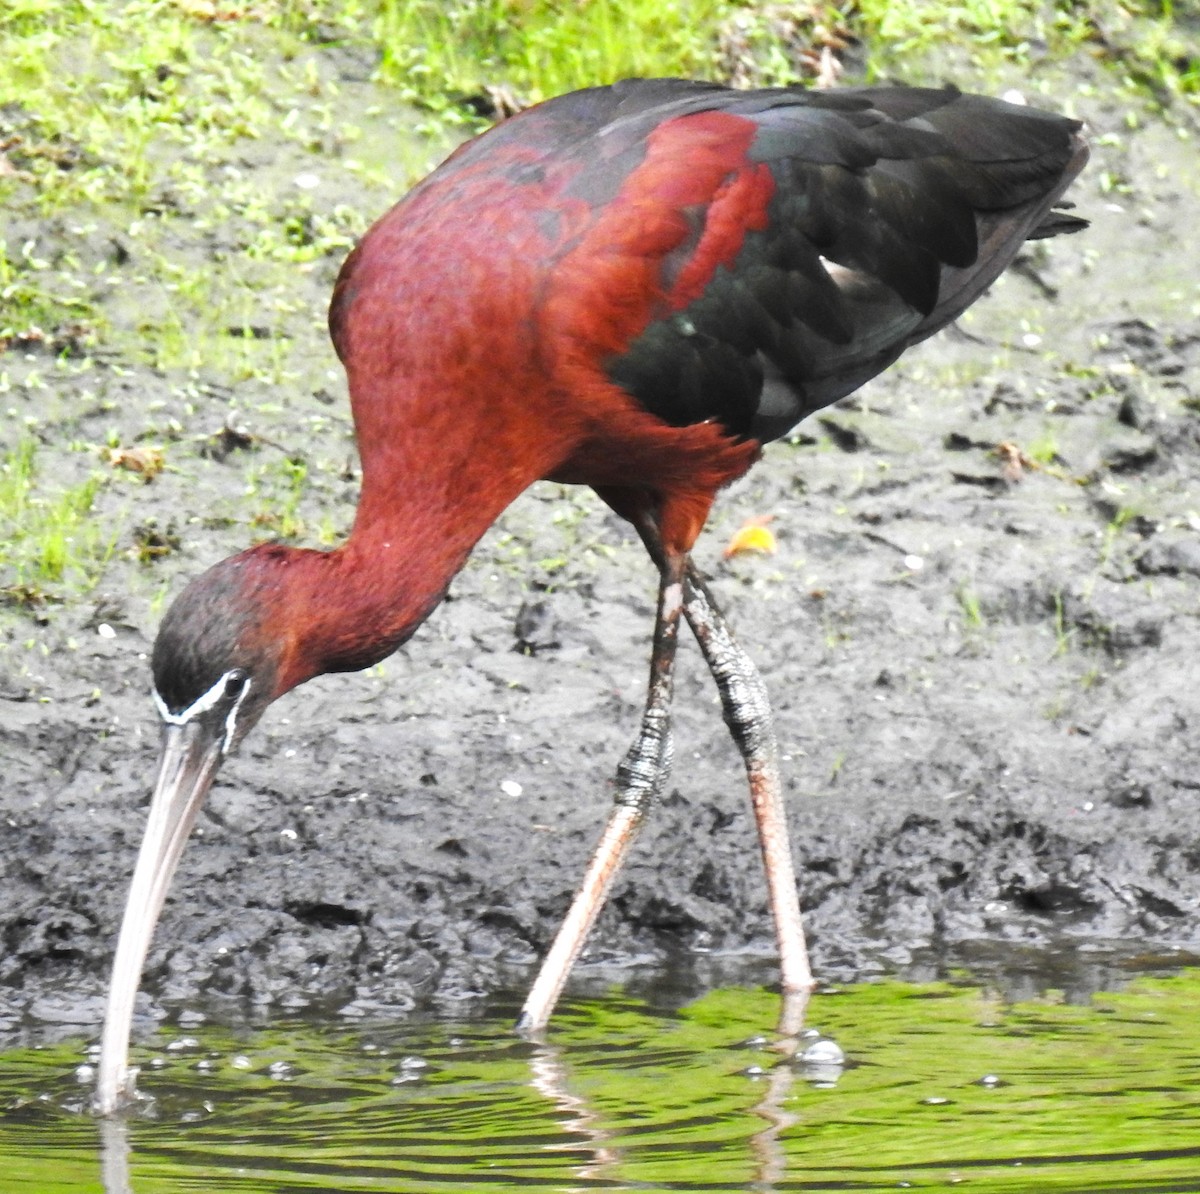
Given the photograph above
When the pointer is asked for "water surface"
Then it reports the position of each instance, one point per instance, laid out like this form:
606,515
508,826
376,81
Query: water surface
944,1087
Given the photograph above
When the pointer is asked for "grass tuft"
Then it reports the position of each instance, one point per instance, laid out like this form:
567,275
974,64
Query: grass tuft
48,538
538,48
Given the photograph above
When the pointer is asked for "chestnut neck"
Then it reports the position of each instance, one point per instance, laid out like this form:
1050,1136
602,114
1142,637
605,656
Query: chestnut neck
429,494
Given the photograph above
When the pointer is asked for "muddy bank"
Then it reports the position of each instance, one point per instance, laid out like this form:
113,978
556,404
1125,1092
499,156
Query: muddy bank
980,659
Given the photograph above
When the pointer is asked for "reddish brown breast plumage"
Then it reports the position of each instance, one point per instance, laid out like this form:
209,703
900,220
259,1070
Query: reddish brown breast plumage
662,254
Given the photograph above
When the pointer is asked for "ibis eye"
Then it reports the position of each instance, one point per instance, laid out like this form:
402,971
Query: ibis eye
235,683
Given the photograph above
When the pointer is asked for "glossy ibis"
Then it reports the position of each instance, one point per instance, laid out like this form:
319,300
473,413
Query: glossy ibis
630,287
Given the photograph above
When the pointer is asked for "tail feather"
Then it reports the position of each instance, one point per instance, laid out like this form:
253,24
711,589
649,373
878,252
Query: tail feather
1058,223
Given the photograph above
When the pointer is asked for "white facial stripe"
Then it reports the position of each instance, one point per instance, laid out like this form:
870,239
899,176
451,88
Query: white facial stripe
206,702
203,704
231,720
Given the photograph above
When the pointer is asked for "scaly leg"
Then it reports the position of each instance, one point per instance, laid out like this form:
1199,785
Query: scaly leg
640,778
748,715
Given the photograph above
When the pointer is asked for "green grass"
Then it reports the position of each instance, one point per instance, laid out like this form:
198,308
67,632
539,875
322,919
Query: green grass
1044,450
153,90
969,606
35,306
50,544
903,27
1141,39
440,53
540,48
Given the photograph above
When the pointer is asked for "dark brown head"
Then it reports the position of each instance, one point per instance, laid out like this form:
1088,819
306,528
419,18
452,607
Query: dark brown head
218,663
219,650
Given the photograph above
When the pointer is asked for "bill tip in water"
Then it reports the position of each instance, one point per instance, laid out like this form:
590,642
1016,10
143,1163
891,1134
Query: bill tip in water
117,1092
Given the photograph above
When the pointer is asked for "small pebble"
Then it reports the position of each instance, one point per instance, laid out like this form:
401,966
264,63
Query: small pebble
510,787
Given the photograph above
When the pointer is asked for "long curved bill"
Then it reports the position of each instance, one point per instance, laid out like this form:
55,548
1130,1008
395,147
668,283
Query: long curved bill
191,753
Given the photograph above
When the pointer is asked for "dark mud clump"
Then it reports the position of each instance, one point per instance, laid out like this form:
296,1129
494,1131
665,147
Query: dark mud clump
980,633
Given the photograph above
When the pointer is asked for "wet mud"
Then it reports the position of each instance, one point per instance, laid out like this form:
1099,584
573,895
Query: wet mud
982,660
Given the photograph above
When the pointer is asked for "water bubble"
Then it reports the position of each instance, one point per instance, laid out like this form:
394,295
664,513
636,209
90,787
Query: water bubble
820,1059
753,1043
410,1069
823,1052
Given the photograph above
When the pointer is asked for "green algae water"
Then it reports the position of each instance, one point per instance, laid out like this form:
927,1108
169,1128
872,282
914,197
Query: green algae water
943,1087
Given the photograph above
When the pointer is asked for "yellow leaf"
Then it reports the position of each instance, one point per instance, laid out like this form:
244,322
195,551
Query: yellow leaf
754,536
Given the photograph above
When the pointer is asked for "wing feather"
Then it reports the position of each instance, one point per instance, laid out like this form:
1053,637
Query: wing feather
892,210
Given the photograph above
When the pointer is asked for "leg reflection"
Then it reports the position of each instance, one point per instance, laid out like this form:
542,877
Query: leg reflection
114,1155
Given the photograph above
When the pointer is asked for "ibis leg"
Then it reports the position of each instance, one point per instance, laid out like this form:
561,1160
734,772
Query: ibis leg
748,715
640,778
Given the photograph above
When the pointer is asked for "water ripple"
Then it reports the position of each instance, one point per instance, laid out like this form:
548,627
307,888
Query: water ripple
943,1086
